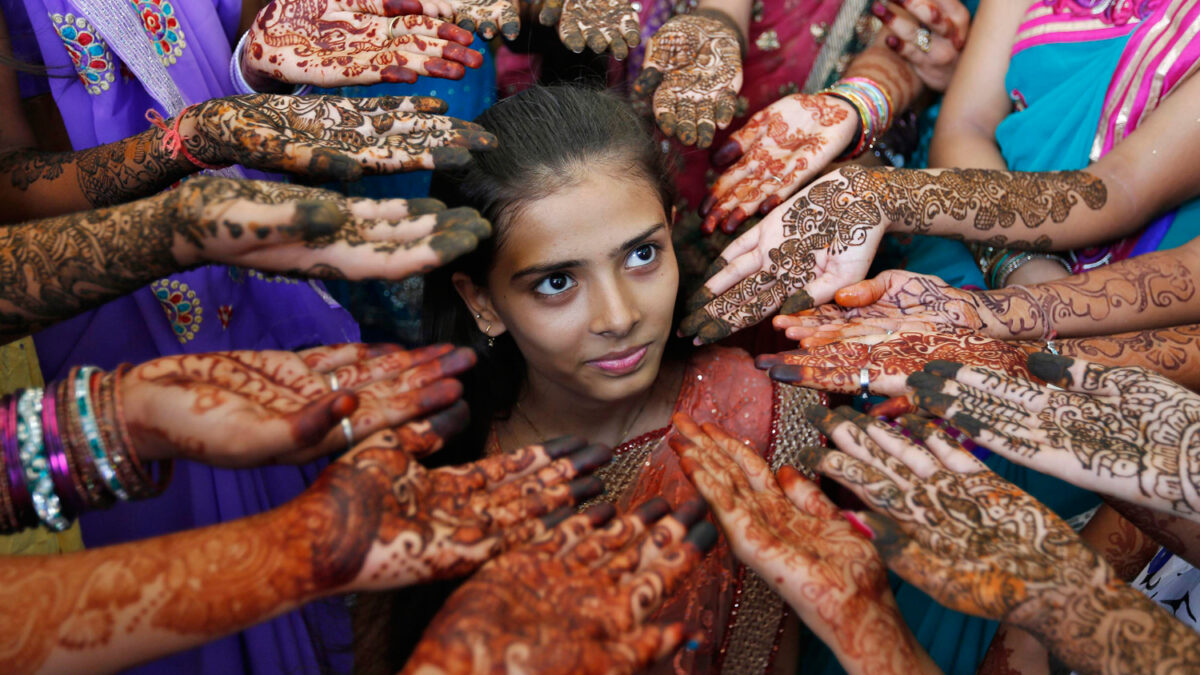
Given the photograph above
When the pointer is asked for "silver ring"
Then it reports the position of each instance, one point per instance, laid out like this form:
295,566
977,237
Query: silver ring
333,382
777,179
864,382
889,333
392,27
923,39
348,431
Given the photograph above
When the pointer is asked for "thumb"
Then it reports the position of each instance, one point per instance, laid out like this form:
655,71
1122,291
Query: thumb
861,294
315,420
647,81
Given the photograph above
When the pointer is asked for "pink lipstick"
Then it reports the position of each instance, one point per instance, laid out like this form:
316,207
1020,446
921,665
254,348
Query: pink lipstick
622,362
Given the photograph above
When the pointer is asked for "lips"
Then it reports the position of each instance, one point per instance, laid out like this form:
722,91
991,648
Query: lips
622,362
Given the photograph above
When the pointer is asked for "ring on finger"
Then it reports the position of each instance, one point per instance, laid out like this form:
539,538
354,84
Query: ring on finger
924,39
864,383
348,432
333,382
396,19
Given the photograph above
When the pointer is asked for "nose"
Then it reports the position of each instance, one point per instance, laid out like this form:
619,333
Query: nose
615,310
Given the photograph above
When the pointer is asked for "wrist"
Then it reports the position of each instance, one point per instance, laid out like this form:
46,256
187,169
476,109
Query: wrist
248,80
724,17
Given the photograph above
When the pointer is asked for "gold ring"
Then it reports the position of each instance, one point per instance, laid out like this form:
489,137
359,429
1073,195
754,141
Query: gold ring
923,39
396,19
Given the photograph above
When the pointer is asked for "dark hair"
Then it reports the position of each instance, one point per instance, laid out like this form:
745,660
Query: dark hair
550,138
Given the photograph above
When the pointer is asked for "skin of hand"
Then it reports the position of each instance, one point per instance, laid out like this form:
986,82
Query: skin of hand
781,148
595,24
693,72
980,545
484,16
784,528
330,137
575,599
247,408
893,301
343,238
1124,432
374,519
338,43
890,359
947,23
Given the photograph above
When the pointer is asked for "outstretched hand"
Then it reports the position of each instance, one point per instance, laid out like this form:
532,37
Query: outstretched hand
598,25
340,43
576,599
692,73
788,531
1124,432
247,408
330,137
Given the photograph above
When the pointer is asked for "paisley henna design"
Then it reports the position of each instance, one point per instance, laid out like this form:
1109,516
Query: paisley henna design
890,360
827,235
335,43
330,137
54,268
1125,432
247,408
577,599
781,148
1168,351
598,24
980,545
693,71
784,528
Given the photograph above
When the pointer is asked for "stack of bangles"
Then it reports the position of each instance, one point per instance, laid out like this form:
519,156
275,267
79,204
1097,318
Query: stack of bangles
998,264
65,449
875,111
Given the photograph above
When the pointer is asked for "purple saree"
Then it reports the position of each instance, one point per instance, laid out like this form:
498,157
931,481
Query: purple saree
208,309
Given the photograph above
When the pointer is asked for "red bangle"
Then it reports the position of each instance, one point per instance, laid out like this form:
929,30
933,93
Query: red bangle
173,140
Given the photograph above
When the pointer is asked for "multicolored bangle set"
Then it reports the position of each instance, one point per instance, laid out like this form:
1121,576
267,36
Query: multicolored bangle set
66,449
875,110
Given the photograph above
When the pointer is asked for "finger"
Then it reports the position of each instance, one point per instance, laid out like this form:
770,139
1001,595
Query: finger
916,457
953,27
620,49
742,139
560,540
865,481
580,463
649,548
597,38
893,407
960,398
326,358
394,209
388,366
646,590
647,82
510,21
1072,374
840,379
665,103
424,437
381,407
1021,393
805,494
313,422
863,293
741,260
421,107
654,642
685,120
416,25
603,544
855,442
572,35
551,11
949,452
752,465
540,503
706,124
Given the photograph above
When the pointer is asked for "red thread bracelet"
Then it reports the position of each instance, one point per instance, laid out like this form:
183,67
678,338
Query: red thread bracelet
173,140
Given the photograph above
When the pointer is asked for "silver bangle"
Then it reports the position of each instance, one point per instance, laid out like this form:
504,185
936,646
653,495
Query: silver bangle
239,80
1018,260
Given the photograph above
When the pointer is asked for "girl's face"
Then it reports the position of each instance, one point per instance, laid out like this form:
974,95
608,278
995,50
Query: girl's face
585,282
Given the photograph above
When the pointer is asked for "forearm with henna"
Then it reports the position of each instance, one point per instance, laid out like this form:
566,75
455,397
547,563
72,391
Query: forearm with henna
1173,352
38,184
54,268
1178,535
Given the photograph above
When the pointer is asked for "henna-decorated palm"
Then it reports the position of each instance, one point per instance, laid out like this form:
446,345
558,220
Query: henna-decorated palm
485,15
693,73
330,137
337,43
797,256
246,408
595,24
893,301
781,148
294,229
890,359
974,542
1126,432
784,528
576,599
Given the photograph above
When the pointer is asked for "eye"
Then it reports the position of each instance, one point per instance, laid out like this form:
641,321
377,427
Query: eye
553,284
642,255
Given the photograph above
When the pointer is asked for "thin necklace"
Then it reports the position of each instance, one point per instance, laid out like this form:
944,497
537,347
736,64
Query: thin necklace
624,433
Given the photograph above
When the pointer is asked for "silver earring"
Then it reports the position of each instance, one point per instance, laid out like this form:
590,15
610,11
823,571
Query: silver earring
488,332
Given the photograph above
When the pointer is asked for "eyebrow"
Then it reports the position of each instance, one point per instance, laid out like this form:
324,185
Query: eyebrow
550,268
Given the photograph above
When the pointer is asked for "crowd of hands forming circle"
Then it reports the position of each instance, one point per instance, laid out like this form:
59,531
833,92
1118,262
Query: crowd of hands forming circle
548,587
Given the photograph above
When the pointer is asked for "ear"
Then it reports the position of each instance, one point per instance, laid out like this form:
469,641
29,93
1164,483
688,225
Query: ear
479,301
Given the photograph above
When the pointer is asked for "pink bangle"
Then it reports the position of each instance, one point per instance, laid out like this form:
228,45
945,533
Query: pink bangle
60,469
21,498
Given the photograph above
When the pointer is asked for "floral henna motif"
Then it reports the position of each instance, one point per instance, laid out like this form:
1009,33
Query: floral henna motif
330,137
576,599
599,24
329,43
794,537
836,367
693,71
1125,432
780,149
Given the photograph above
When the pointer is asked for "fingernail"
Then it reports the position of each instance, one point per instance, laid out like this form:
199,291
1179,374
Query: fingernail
318,218
444,69
707,204
766,361
968,424
787,374
448,31
563,446
451,420
733,221
582,489
598,514
941,368
653,510
817,413
396,7
1051,368
555,517
510,30
692,511
769,204
893,43
703,536
394,74
881,10
923,380
591,458
797,302
858,525
423,206
457,361
727,153
934,401
459,53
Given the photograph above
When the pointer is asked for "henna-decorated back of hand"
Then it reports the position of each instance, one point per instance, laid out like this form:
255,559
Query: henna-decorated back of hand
330,137
1126,432
784,528
339,43
693,72
890,359
576,599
